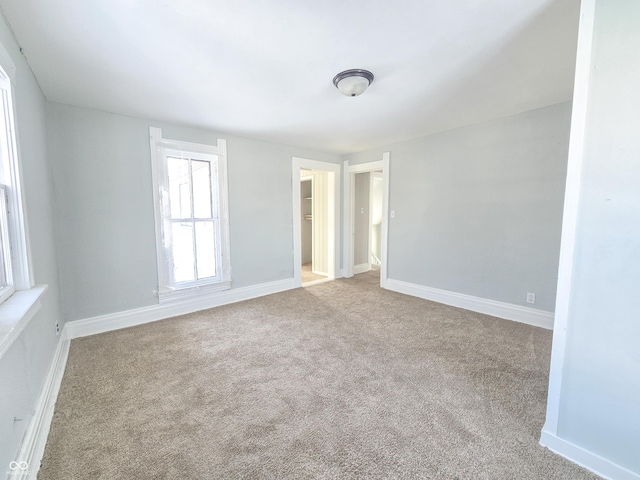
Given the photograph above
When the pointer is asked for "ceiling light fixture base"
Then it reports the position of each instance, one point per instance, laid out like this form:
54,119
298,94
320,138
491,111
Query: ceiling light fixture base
353,82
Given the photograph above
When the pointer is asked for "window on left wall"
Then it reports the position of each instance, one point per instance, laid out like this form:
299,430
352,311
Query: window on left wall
14,261
6,277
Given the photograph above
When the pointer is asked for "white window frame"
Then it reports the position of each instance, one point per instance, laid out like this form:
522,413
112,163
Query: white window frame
7,288
19,301
161,148
14,241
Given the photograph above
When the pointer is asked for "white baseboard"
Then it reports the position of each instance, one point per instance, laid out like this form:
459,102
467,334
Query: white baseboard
530,316
603,467
138,316
35,438
363,267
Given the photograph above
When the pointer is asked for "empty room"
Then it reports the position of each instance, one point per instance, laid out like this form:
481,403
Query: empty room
330,240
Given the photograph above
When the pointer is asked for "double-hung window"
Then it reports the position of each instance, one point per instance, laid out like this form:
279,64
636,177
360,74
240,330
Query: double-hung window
14,264
191,212
19,297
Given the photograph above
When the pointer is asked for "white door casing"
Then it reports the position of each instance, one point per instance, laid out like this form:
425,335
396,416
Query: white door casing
333,224
349,179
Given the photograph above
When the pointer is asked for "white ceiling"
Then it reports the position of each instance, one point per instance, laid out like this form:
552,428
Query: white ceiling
264,68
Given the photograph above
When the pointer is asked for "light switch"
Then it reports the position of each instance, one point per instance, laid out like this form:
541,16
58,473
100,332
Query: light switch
362,210
393,214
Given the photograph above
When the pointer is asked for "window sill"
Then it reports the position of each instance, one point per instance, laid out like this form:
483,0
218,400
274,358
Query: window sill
15,314
180,295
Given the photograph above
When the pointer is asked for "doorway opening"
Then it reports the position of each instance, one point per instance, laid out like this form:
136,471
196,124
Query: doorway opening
313,206
367,221
366,218
316,207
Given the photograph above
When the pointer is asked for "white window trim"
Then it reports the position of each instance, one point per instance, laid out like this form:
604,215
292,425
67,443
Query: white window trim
5,245
18,235
17,309
159,149
16,313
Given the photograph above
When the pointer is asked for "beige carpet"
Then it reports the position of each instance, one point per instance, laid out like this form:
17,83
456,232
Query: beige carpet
341,380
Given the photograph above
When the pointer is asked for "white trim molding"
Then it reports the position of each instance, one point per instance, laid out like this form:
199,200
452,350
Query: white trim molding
139,316
570,213
169,289
15,314
363,267
11,175
333,206
603,467
181,295
35,438
348,269
508,311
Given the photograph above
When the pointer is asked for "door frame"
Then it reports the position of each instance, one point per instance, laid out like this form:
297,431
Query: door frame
333,212
348,214
372,178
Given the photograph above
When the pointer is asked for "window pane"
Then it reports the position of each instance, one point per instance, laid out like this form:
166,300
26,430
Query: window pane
4,241
201,173
3,269
206,249
179,194
182,247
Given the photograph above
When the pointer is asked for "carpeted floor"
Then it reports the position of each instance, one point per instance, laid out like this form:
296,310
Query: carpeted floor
337,381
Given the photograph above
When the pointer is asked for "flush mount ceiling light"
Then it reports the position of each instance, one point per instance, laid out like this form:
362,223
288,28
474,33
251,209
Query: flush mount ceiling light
353,82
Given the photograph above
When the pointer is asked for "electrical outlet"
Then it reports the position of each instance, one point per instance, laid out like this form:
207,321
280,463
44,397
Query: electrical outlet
57,328
531,298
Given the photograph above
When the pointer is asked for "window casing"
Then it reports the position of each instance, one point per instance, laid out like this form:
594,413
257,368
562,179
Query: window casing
15,269
6,275
191,213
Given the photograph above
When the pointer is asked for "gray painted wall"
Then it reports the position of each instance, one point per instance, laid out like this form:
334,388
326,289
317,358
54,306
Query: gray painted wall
361,219
479,208
25,365
600,395
102,175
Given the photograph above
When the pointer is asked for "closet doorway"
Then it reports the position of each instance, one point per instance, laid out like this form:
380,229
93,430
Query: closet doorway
313,207
316,213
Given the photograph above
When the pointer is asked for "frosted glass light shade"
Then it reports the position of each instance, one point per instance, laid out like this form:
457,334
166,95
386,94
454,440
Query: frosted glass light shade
353,82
